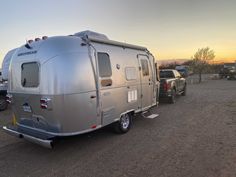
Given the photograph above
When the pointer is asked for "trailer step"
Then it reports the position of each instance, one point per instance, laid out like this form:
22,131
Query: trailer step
152,116
149,116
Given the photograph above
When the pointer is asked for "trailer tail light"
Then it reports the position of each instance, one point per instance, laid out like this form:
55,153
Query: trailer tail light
44,103
167,86
9,98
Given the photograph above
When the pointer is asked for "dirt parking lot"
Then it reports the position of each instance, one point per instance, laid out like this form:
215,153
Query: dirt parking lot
196,137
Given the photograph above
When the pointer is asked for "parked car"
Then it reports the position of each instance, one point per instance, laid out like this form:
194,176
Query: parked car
232,75
70,85
224,73
172,84
183,70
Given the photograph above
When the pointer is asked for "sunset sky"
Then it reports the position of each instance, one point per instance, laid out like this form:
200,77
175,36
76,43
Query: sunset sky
170,29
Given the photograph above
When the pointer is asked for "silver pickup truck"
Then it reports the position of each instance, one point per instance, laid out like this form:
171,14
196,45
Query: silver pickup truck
172,84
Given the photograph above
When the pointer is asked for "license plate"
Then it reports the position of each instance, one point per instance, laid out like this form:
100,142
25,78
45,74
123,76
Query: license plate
27,108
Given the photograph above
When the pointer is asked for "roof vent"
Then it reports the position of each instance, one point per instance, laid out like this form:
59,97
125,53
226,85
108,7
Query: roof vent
91,34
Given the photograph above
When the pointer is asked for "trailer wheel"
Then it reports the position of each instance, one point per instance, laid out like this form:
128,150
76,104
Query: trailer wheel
3,103
124,124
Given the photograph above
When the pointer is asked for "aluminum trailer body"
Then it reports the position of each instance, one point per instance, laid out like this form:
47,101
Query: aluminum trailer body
6,63
4,79
69,85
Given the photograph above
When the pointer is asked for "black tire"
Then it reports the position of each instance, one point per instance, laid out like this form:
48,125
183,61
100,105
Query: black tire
124,124
184,91
172,99
3,103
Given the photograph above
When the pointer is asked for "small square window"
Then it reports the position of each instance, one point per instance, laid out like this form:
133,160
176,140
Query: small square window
130,73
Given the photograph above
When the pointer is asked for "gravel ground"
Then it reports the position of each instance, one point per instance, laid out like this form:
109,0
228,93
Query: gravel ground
196,137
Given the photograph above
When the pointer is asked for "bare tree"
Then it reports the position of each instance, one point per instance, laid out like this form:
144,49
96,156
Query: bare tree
201,60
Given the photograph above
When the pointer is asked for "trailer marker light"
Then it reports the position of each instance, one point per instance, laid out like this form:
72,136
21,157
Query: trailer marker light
44,37
30,41
94,126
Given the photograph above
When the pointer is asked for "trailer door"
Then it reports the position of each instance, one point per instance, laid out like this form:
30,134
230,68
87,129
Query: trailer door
106,88
146,82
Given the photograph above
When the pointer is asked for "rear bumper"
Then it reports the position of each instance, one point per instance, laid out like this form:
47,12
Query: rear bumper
165,94
41,142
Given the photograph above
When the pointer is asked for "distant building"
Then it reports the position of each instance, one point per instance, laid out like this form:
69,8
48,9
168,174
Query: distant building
230,65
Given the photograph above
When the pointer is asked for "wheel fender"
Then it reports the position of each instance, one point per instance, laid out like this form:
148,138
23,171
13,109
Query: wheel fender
131,112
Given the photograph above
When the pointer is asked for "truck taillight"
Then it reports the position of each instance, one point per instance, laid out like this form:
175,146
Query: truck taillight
9,98
167,86
44,103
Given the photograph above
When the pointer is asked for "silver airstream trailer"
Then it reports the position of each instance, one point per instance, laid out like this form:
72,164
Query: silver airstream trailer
4,79
69,85
6,63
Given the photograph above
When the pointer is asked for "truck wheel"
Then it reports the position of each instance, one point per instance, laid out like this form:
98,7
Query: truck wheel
172,99
184,91
3,103
124,124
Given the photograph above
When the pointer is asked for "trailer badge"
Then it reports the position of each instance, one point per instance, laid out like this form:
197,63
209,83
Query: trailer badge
26,107
27,53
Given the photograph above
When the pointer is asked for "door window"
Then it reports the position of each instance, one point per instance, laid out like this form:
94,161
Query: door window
104,65
105,72
145,69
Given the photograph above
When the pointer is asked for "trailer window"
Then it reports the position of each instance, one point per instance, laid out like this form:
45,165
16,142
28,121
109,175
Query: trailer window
104,65
145,69
130,73
166,74
30,74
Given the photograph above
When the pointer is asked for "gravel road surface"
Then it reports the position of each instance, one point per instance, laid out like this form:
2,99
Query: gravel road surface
196,137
